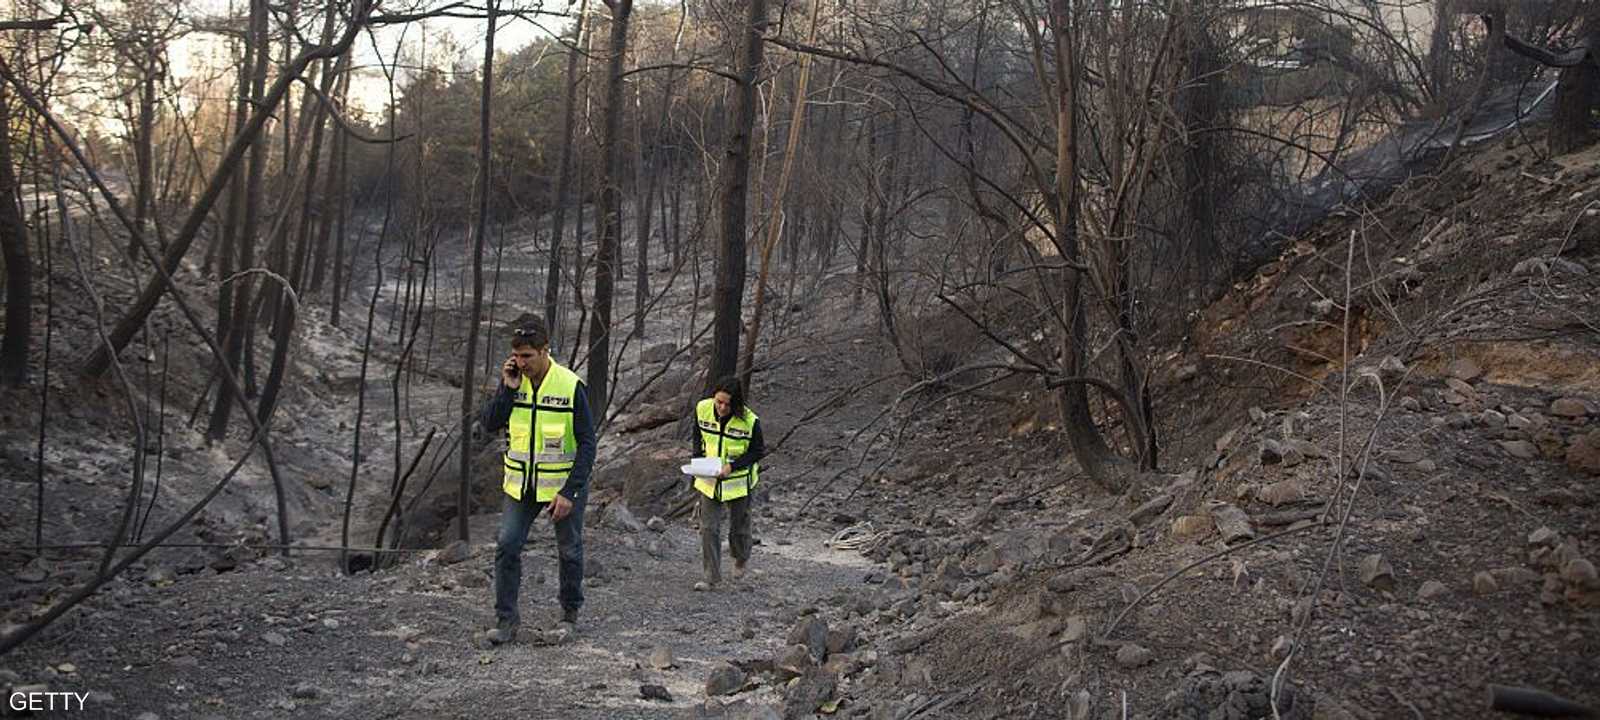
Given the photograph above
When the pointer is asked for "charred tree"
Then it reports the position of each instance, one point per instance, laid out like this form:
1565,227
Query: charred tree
19,266
468,386
1577,88
609,211
729,293
552,287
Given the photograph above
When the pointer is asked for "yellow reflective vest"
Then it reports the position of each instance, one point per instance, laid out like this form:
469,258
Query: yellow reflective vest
727,441
542,446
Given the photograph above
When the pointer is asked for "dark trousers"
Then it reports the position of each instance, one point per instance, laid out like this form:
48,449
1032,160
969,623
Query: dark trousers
739,539
514,523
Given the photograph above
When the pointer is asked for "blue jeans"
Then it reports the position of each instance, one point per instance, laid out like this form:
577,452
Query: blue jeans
514,523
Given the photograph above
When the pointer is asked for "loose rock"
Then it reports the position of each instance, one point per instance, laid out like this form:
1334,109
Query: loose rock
1464,369
453,553
841,640
812,632
1569,407
725,680
661,658
1583,455
1580,573
793,662
1280,648
1282,492
1391,368
810,693
1191,526
1544,537
159,575
619,518
1075,630
1132,656
1271,452
1377,573
1520,449
1150,509
1232,522
1516,577
1484,584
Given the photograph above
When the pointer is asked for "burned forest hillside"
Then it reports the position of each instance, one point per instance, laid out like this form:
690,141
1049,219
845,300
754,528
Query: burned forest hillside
1110,360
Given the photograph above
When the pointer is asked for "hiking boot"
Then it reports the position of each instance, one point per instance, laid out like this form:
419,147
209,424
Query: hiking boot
738,570
569,616
504,633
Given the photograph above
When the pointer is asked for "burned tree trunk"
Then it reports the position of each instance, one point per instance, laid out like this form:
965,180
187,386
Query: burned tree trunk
775,221
729,294
144,152
1577,100
1088,445
552,283
609,220
1577,88
19,267
241,320
469,389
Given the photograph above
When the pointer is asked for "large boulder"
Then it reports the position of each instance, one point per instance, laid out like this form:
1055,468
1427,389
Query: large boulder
650,480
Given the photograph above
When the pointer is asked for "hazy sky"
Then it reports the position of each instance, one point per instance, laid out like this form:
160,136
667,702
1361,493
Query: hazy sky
369,93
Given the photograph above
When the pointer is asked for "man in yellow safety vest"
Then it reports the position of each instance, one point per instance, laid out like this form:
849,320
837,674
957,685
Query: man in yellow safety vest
549,453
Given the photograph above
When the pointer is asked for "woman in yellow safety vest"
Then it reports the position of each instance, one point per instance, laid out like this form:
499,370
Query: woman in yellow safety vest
726,428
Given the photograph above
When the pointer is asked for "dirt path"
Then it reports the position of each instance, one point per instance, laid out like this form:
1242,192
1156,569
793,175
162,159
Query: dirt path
278,637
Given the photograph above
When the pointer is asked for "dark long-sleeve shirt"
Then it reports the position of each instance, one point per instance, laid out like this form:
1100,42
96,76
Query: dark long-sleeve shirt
496,414
752,453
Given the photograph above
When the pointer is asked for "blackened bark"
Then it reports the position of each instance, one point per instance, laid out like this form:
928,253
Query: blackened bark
552,286
729,294
609,211
19,266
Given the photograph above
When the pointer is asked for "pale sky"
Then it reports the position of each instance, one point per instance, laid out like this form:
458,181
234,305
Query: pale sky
201,54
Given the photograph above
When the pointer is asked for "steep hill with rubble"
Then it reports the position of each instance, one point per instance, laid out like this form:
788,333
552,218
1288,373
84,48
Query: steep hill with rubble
1379,476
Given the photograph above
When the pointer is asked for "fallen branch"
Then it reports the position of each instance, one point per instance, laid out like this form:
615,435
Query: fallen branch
41,24
1528,701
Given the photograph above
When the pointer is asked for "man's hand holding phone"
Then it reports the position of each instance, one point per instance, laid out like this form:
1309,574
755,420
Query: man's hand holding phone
510,374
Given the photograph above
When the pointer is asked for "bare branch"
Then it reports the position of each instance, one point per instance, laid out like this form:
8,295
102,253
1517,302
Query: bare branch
338,117
683,66
41,24
1544,56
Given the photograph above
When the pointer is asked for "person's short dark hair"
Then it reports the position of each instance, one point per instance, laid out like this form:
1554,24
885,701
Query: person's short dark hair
735,390
530,331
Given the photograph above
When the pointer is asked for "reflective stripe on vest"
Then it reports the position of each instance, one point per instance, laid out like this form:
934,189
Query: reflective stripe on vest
727,440
541,445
